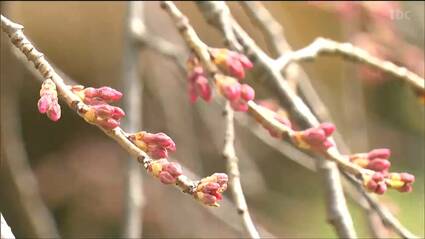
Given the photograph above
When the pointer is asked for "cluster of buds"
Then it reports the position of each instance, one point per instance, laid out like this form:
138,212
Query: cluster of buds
232,65
96,96
167,172
48,102
105,115
315,138
100,112
379,182
376,160
238,94
156,145
230,62
209,189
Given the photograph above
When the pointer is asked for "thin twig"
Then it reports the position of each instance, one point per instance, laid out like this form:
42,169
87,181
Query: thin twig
5,230
234,175
330,47
134,201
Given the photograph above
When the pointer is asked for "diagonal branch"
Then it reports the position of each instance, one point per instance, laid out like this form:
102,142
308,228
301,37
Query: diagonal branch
5,230
17,37
323,46
234,174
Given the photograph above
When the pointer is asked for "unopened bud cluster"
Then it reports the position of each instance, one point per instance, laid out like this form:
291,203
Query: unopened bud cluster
155,145
382,179
98,99
232,65
48,102
315,138
209,189
167,172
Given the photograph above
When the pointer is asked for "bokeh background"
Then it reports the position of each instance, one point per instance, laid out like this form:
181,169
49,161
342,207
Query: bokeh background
80,172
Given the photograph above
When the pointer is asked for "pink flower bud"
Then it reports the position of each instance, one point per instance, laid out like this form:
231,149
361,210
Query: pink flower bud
108,94
328,128
211,188
314,136
198,84
209,199
203,88
54,111
379,153
247,93
174,169
166,178
221,178
231,62
377,177
232,91
381,188
379,165
43,103
407,177
48,102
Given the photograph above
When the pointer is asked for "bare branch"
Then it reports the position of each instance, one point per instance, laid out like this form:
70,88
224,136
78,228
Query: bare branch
234,174
330,47
133,85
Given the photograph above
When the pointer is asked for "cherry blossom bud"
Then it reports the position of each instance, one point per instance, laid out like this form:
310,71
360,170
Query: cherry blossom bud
210,188
106,116
198,84
379,165
231,62
167,172
328,128
96,96
54,112
379,153
247,93
156,145
48,102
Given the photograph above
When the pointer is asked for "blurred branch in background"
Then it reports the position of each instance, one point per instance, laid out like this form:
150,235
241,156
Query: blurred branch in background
133,86
234,173
328,46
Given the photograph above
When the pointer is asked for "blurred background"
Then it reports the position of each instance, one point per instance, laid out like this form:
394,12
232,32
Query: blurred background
80,173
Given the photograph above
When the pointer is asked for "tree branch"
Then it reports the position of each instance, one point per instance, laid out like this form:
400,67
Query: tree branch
20,41
133,85
326,46
234,174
